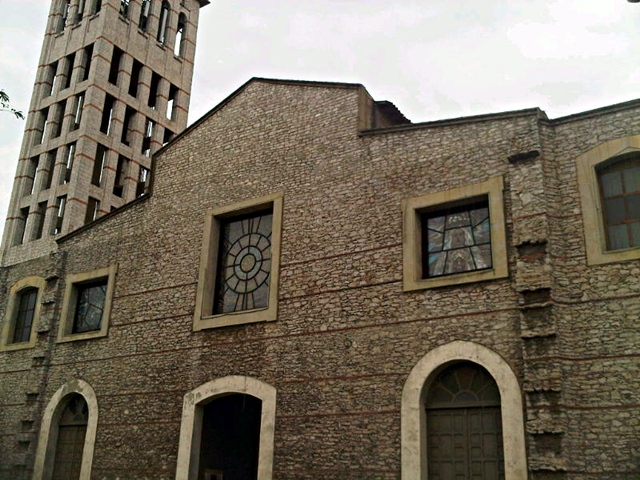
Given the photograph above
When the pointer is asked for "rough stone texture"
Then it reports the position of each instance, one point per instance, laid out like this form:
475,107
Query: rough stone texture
347,335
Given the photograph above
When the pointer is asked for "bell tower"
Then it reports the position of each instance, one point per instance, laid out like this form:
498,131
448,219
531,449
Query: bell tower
112,87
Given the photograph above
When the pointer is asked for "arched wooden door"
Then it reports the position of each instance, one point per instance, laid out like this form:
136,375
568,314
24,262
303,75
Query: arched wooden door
72,429
464,425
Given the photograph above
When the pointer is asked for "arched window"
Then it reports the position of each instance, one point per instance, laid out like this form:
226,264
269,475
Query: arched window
462,398
228,430
464,425
163,22
619,183
23,312
67,434
180,35
144,15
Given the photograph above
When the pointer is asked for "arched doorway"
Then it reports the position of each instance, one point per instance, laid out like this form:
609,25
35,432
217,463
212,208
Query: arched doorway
230,439
72,430
464,425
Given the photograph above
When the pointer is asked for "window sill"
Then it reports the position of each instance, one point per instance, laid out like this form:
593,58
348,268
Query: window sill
236,318
74,337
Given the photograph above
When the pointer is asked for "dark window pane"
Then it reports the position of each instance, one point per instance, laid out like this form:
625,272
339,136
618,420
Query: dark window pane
618,237
89,306
635,233
24,317
633,207
632,179
614,207
611,184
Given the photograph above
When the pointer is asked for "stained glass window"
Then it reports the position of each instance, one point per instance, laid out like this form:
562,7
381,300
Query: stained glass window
244,263
24,318
620,191
456,240
89,306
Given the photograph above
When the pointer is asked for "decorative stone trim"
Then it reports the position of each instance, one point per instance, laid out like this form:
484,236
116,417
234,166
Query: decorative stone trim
12,311
412,237
203,318
413,415
191,426
70,297
43,467
592,212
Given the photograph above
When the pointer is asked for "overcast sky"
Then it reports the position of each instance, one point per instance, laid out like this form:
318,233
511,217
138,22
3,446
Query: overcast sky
434,59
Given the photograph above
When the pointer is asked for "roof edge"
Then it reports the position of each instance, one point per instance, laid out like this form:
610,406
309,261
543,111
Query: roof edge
487,117
616,107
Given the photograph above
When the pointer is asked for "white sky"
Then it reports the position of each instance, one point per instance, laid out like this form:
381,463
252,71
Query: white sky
434,59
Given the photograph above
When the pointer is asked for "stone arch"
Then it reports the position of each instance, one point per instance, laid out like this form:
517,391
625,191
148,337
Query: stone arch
413,415
43,467
191,425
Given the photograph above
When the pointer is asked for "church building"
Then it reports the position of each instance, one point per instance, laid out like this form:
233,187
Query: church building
303,283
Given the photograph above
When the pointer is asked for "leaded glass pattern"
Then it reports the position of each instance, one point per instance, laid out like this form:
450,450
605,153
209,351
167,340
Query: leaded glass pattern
620,191
244,263
24,317
89,306
462,385
456,240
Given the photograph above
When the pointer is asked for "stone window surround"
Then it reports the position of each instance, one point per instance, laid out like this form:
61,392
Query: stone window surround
191,425
414,460
43,466
412,241
590,201
69,303
12,311
208,266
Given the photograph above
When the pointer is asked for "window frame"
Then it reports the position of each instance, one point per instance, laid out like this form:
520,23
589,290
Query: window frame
207,276
8,327
67,316
587,165
414,207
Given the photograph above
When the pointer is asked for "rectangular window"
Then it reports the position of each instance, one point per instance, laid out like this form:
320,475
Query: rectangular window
153,90
144,15
80,11
127,126
99,164
39,220
454,237
31,176
50,79
124,8
97,6
87,304
64,18
61,203
93,209
121,173
116,60
107,114
171,103
179,44
41,128
68,70
239,264
136,69
21,225
56,124
143,180
168,136
65,176
47,169
163,22
77,117
86,61
148,136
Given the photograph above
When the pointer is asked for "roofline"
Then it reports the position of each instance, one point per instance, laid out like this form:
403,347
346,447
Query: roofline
615,108
488,117
236,92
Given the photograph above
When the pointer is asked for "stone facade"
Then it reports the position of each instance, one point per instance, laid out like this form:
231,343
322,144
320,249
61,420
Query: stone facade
343,369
